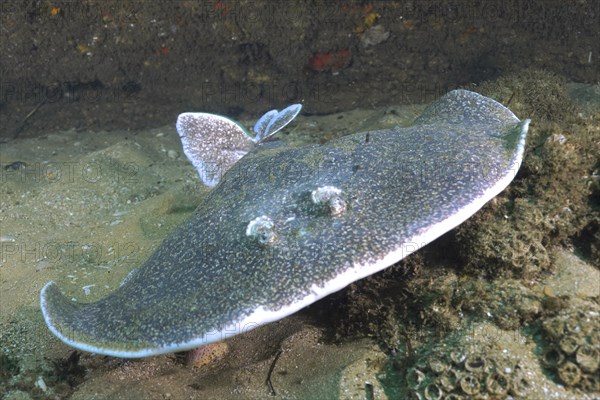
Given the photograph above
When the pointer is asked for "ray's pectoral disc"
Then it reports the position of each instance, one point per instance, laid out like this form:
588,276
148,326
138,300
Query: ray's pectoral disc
287,226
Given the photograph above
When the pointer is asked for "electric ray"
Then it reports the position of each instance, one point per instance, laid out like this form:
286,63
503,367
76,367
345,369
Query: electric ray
284,227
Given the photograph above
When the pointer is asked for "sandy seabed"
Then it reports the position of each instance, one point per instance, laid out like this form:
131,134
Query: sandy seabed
86,208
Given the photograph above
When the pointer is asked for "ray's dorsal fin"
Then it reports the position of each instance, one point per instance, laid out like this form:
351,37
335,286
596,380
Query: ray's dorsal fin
260,128
214,143
273,121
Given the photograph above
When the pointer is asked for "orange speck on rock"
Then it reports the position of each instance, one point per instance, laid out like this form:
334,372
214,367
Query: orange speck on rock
221,6
55,11
409,24
82,48
320,61
369,17
206,355
323,61
465,35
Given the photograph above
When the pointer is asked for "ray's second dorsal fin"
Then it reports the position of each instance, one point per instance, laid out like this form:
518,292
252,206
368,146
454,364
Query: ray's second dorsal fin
214,143
273,121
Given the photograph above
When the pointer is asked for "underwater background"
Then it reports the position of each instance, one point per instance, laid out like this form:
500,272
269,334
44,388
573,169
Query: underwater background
93,178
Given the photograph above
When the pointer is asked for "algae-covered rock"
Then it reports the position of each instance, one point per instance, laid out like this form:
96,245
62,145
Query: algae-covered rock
571,343
554,197
480,361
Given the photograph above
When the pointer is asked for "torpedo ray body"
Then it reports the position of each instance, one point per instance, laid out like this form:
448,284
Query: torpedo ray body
284,227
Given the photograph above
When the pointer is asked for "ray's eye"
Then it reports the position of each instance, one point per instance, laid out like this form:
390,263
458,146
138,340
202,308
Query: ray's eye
330,199
262,230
